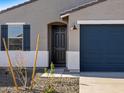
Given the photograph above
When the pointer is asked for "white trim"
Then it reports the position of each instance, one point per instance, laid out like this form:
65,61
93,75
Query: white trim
100,22
16,23
65,15
26,57
73,61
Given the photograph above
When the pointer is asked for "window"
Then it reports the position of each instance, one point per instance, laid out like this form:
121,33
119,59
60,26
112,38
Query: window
15,37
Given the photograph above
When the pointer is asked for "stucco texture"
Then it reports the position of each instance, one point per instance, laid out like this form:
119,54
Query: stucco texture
42,12
107,10
38,14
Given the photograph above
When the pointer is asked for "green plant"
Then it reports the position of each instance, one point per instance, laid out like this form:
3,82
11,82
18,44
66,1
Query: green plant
52,69
45,70
50,89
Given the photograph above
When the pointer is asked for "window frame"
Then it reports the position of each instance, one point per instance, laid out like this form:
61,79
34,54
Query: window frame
15,37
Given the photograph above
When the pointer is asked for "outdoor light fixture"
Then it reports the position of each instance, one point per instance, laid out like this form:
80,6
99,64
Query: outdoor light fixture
74,28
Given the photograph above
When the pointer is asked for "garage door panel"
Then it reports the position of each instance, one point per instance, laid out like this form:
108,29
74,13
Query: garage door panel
104,68
119,58
102,47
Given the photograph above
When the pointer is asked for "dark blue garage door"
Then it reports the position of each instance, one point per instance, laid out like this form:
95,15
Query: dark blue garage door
102,47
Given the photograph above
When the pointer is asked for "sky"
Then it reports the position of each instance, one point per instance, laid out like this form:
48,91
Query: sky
9,3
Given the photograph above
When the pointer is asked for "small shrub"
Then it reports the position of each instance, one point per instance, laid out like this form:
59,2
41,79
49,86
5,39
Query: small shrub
45,70
50,89
52,69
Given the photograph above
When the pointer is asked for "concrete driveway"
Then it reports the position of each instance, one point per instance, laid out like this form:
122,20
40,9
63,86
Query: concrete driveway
102,82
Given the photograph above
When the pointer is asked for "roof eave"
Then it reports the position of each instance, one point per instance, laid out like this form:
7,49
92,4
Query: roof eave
65,15
80,7
17,6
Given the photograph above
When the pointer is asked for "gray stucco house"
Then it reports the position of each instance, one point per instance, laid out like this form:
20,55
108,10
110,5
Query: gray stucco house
81,35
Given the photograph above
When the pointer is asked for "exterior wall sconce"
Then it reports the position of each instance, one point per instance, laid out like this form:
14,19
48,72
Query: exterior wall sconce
74,28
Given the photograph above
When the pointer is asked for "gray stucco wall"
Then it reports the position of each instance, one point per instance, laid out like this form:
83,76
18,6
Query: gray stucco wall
38,14
107,10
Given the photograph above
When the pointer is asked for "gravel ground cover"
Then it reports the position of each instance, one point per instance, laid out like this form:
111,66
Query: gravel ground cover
60,84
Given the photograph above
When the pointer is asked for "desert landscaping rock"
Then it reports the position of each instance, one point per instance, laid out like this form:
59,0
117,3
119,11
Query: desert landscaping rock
61,84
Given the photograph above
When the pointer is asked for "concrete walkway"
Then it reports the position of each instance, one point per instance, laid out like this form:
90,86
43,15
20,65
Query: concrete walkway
96,82
102,82
60,72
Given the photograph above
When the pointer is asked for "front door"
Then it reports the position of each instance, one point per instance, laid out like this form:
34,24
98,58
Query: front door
59,45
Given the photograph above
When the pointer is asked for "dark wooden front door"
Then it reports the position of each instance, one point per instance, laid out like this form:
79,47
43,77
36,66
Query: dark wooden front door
59,45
